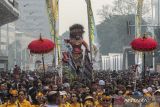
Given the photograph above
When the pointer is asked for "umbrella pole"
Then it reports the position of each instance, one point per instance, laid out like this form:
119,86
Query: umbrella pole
144,71
43,63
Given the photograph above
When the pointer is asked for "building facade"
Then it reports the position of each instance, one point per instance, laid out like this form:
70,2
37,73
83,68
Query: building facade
21,55
112,61
156,23
156,11
32,21
8,13
33,18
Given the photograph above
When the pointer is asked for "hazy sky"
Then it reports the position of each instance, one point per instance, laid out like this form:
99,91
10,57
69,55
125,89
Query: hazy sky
75,11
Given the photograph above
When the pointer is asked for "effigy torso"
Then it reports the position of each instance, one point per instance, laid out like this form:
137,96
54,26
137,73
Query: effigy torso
77,51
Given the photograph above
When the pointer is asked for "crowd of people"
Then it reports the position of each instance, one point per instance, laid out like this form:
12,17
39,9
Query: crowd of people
109,89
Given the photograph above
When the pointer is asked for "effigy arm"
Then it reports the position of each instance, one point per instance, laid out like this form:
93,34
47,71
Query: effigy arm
85,45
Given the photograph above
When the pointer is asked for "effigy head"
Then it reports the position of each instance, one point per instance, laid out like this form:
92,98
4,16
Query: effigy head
76,31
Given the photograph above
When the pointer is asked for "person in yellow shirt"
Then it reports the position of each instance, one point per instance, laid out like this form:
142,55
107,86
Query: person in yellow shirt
74,102
89,102
63,100
13,94
40,100
22,99
95,96
106,101
156,103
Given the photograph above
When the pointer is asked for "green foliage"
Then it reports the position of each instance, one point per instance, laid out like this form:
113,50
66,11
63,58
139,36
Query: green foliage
68,73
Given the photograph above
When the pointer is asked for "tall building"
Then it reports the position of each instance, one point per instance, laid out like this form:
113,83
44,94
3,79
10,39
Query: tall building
33,18
156,22
20,55
14,47
8,13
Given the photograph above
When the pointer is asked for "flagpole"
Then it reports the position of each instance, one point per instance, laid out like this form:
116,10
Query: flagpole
91,35
57,53
89,31
53,15
138,21
55,49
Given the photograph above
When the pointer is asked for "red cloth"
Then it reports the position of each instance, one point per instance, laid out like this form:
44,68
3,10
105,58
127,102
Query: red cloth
119,100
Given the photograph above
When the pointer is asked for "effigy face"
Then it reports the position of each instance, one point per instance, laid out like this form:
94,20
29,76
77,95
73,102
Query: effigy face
76,35
76,41
76,31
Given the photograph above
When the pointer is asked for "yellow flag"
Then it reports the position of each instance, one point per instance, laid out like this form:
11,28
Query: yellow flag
55,9
53,14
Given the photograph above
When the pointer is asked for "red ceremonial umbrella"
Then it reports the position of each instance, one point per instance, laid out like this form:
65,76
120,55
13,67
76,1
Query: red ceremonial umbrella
144,44
41,46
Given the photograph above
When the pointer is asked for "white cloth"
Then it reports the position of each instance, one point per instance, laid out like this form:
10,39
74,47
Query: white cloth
145,91
0,101
101,82
66,85
63,93
149,89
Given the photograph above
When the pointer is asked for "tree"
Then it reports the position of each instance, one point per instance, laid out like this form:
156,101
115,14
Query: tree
123,7
106,12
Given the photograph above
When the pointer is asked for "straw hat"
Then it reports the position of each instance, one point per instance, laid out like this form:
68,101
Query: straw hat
157,91
89,97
